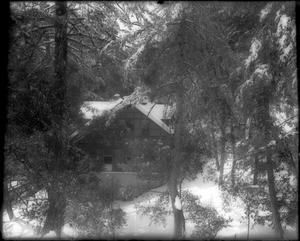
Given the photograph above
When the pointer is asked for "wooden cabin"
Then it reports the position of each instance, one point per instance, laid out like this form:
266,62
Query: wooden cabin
143,120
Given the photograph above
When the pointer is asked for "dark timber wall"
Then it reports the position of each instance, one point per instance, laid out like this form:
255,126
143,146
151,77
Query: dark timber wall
142,128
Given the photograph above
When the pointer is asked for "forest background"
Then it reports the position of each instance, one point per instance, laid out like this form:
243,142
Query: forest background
229,67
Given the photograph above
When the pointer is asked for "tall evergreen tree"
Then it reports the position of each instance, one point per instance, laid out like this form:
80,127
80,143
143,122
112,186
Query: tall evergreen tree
268,73
47,86
176,62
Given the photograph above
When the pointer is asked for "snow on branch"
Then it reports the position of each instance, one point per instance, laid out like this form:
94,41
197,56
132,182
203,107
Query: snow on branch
134,57
285,34
265,11
261,73
272,143
262,70
255,47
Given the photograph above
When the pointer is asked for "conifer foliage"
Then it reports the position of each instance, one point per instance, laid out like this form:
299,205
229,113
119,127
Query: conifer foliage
227,68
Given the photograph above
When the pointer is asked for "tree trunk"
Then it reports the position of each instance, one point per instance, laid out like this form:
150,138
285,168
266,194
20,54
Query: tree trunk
111,221
179,221
7,202
223,154
55,213
233,173
248,217
57,202
215,146
179,225
272,191
232,140
222,141
266,119
256,169
60,60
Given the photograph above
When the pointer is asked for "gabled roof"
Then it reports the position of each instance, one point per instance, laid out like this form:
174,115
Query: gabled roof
155,112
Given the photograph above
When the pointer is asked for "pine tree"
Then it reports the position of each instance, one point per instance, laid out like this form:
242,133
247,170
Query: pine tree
266,85
47,86
177,63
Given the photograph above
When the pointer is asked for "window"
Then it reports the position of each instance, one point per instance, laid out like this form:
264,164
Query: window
107,163
130,126
145,128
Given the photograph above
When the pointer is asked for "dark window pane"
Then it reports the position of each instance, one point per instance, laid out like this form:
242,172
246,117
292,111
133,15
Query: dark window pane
130,126
107,159
145,128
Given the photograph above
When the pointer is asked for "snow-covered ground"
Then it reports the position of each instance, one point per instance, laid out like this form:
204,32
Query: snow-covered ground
138,227
209,194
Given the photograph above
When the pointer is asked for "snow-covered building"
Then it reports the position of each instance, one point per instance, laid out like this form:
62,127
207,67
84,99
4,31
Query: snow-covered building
143,119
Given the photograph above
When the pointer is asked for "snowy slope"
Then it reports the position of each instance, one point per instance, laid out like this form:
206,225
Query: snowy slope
209,194
138,227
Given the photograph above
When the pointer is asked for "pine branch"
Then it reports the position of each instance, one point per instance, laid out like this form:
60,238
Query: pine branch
45,27
80,43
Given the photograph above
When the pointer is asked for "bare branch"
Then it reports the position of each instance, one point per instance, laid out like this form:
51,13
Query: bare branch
120,7
80,43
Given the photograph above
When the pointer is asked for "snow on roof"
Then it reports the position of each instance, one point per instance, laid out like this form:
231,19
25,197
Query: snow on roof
91,109
156,112
159,110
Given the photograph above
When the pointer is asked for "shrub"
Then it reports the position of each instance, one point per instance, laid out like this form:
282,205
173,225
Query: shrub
207,220
91,211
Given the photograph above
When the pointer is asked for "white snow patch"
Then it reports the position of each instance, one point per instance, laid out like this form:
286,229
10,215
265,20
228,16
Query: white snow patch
264,12
247,131
280,118
17,229
262,70
177,203
42,194
262,148
286,52
282,40
272,143
248,82
293,33
282,24
294,79
91,109
134,57
293,181
282,33
255,47
251,150
15,184
238,143
51,234
277,15
68,231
